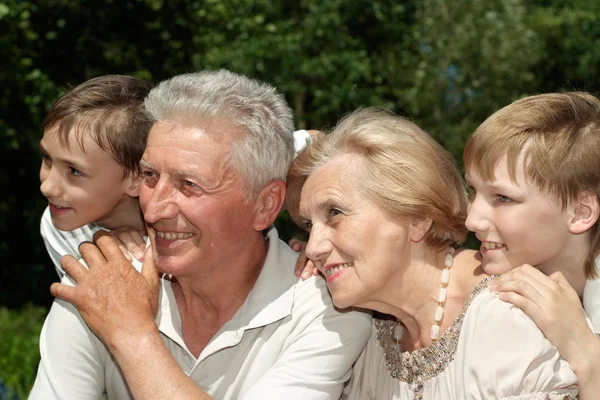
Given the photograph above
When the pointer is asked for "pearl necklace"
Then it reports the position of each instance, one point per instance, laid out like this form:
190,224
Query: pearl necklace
439,310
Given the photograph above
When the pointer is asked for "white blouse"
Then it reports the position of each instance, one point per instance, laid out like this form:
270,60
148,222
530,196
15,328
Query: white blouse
492,350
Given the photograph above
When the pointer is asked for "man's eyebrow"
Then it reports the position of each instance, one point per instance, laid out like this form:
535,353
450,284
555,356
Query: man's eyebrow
145,164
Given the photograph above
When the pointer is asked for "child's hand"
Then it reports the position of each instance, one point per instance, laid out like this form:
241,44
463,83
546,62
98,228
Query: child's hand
304,267
552,304
130,241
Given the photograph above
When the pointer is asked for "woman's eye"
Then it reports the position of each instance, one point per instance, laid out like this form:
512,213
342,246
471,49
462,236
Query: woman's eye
307,225
75,171
334,212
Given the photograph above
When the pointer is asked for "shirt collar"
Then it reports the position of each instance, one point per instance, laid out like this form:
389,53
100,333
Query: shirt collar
270,300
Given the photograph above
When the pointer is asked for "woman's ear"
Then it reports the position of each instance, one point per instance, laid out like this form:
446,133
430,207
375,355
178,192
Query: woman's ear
418,228
584,212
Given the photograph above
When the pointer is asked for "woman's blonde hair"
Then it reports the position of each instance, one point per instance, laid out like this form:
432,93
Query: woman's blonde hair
405,172
557,135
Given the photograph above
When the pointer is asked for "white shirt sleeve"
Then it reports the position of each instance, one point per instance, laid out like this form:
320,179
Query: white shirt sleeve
60,243
319,358
503,355
72,357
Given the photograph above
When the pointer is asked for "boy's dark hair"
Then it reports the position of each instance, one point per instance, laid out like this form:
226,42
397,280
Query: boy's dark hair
110,109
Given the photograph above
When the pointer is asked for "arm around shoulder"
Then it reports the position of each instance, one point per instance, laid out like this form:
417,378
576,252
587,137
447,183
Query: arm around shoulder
504,355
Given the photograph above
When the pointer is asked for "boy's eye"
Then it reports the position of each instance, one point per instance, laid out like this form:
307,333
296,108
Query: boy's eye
471,192
75,171
503,199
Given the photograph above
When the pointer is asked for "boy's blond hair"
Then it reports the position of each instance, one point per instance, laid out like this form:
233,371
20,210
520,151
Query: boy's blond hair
558,137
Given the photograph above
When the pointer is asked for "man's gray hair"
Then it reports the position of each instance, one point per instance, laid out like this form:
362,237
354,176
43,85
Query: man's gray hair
265,152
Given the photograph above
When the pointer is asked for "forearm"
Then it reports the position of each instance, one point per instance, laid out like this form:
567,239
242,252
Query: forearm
150,370
587,368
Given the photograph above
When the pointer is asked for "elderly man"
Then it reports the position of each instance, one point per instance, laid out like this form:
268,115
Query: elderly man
232,321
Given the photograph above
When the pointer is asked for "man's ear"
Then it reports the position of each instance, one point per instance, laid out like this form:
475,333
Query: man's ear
132,183
584,212
418,228
268,204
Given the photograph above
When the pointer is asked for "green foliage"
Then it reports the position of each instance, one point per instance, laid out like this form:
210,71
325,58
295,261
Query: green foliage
446,65
19,349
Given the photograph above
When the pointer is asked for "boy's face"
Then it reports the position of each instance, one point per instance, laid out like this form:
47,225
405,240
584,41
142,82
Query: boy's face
81,187
516,223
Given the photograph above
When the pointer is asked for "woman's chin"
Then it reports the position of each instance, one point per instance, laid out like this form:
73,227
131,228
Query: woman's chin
342,302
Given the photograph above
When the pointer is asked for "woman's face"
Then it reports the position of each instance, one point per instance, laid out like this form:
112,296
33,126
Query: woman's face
353,242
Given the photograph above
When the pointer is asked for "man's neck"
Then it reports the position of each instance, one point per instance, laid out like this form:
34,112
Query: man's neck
207,302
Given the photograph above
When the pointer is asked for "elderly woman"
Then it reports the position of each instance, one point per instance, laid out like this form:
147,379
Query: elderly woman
385,208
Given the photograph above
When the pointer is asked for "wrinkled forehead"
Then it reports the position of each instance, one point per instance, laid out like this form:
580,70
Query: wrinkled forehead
337,180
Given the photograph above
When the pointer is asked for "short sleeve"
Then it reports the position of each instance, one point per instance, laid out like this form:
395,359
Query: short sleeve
72,357
60,243
503,355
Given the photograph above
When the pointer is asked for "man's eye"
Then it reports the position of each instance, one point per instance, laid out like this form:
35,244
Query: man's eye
189,184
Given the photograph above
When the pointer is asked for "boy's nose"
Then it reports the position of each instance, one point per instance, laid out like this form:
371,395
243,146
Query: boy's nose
477,220
50,185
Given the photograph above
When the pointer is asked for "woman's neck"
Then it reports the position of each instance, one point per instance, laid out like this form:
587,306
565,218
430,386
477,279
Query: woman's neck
416,298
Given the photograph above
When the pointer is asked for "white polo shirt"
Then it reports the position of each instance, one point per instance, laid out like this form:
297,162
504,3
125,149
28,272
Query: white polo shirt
59,243
285,342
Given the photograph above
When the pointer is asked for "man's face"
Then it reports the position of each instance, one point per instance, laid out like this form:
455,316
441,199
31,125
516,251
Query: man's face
81,186
517,223
192,200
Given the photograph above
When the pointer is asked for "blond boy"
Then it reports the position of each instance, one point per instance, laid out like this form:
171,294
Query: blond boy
534,171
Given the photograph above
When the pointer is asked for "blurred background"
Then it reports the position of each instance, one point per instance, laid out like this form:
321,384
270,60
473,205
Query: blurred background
445,64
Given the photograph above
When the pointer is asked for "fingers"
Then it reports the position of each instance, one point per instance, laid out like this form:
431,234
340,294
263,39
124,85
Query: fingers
300,264
530,308
296,244
525,287
107,245
74,268
149,270
64,292
131,242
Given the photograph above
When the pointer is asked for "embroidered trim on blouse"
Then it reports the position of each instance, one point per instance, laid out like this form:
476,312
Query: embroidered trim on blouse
423,364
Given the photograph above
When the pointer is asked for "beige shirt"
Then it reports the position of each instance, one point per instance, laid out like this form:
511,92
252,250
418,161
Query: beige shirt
285,342
492,351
